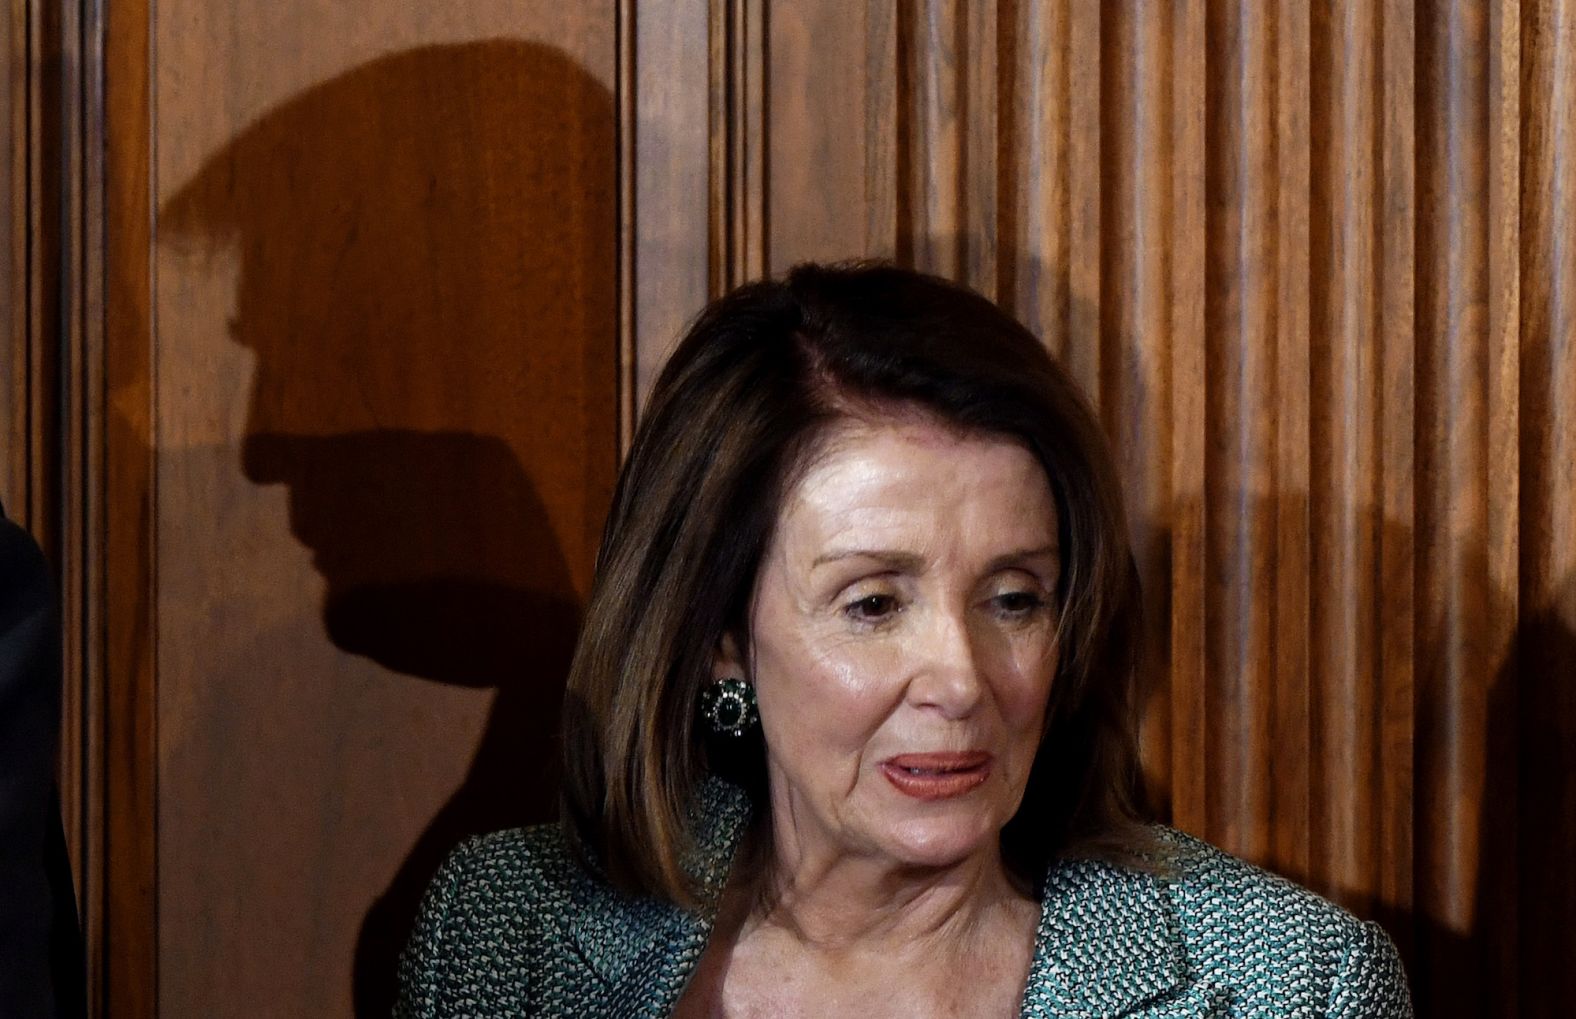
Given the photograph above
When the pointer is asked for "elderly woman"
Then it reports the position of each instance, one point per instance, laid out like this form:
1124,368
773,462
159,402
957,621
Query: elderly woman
850,728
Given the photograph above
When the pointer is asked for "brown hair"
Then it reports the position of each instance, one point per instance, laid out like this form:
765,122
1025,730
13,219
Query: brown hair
758,378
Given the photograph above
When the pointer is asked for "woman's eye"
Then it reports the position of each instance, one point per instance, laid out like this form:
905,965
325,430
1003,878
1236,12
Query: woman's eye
1019,603
872,607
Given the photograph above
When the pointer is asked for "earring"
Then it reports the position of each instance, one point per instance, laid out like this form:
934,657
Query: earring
728,706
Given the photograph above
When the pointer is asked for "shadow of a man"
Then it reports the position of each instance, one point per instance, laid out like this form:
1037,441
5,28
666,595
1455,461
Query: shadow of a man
427,265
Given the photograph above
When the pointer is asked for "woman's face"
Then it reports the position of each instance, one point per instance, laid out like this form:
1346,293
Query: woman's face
904,642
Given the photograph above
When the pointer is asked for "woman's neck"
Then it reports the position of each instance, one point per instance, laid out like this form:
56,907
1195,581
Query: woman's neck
825,934
840,904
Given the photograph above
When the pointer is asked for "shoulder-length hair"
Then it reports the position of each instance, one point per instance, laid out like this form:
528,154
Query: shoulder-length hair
760,376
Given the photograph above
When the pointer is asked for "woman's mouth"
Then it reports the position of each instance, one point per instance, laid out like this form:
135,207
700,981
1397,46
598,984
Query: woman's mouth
937,776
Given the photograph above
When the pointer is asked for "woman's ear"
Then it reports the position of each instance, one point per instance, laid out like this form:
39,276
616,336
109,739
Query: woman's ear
729,660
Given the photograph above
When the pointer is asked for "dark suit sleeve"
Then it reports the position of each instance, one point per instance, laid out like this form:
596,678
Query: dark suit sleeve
40,961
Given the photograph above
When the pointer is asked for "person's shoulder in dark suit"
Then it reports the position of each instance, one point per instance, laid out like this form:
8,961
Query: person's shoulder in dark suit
40,952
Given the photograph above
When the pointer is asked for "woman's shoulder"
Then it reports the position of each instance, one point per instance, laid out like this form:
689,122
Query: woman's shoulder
1210,886
1194,926
493,925
515,923
1243,924
518,865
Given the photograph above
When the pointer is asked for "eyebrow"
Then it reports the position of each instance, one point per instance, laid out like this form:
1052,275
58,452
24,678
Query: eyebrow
902,561
908,562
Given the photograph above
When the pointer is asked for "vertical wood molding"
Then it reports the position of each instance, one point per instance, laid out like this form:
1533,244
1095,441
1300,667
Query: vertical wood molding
1546,644
1086,49
1456,637
737,175
671,175
124,943
37,87
1396,607
624,103
1240,310
15,216
1138,216
978,57
1185,694
1345,533
937,163
1293,702
1035,112
1498,881
884,129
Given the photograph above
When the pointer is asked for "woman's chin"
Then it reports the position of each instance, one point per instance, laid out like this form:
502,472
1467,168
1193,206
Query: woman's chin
937,842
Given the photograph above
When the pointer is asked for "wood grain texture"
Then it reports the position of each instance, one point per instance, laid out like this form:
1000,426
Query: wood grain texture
1459,648
120,891
1312,264
1277,245
1241,330
1293,705
157,774
1395,221
1545,706
16,372
673,206
624,103
816,164
1343,295
1185,693
1136,275
403,473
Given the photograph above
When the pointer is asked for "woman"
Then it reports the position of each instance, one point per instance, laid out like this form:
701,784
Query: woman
849,728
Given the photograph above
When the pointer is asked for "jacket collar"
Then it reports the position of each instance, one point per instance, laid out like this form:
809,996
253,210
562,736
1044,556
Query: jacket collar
1108,940
624,938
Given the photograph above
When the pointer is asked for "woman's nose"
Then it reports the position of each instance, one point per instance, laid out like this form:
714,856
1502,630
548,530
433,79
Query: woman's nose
948,677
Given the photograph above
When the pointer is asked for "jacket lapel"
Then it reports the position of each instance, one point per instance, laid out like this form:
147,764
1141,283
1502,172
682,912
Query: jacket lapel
1108,944
638,946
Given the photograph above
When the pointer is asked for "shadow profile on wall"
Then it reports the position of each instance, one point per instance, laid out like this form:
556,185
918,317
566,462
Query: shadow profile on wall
426,248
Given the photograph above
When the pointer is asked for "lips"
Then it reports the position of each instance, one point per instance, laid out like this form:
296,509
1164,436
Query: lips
937,776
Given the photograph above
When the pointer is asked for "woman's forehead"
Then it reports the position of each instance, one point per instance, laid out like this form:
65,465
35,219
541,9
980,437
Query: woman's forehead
917,480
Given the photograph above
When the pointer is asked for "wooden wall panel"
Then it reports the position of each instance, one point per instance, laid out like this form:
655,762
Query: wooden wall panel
1293,701
1311,263
15,216
1307,260
816,165
1394,223
342,421
1134,265
1544,702
1347,399
670,176
1465,483
120,889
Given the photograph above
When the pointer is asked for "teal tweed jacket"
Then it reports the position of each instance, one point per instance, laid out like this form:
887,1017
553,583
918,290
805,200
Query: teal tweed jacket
513,925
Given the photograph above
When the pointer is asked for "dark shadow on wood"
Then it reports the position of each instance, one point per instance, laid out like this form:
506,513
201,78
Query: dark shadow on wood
427,278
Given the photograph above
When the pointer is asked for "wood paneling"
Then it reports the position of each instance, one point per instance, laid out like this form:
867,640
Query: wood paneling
1311,262
123,593
386,389
1543,705
340,359
15,217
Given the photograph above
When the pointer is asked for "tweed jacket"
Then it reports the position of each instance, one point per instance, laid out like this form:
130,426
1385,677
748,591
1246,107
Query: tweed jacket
513,925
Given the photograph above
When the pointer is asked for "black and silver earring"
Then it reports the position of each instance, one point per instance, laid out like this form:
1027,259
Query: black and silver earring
728,707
